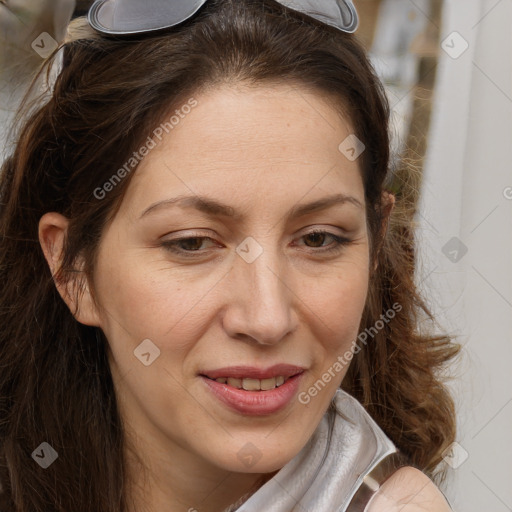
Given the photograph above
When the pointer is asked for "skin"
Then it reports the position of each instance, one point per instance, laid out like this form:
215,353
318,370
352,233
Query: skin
262,151
408,490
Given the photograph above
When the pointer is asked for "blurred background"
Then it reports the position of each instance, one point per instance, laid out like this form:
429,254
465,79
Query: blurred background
447,68
82,6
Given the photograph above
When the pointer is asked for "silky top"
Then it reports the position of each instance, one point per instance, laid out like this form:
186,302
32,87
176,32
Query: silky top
326,474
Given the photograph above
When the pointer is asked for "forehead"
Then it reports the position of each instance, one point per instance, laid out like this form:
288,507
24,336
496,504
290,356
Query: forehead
258,144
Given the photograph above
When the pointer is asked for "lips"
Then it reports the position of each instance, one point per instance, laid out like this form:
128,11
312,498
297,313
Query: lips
254,391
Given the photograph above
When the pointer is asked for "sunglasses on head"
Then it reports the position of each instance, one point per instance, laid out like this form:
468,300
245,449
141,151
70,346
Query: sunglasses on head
126,17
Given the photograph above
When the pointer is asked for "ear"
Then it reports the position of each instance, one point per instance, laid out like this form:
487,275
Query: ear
73,286
387,205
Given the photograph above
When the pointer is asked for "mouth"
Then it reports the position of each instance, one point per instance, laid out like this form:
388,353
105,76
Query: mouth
254,391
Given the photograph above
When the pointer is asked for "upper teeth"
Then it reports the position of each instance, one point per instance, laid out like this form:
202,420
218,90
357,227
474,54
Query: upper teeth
253,384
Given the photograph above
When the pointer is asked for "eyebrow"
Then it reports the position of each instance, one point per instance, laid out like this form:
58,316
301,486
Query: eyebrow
217,209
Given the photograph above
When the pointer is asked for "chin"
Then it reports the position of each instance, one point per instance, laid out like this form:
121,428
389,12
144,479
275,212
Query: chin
258,457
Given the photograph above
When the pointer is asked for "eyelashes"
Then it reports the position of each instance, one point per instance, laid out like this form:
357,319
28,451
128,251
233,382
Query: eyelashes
193,250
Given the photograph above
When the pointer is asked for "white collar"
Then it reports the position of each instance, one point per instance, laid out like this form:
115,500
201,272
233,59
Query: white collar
327,472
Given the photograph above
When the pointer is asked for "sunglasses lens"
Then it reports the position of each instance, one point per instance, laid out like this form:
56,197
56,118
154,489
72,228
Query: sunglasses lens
338,13
134,16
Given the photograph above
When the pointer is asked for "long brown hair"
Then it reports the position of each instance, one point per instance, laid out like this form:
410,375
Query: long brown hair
55,381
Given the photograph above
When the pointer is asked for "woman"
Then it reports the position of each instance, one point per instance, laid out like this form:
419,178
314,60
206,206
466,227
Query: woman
146,372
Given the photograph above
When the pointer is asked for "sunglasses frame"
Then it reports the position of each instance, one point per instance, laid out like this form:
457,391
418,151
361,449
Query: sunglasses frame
94,14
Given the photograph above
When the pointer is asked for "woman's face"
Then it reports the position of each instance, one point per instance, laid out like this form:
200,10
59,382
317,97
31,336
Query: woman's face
236,286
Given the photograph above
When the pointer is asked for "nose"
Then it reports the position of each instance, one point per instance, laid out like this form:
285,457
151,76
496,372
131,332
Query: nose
261,300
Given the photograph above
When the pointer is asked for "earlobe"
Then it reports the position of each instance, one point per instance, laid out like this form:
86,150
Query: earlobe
388,203
73,286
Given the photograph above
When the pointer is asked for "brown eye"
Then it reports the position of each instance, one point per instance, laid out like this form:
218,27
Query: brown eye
190,244
316,239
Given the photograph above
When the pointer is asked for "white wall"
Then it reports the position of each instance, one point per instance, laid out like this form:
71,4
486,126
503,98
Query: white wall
467,194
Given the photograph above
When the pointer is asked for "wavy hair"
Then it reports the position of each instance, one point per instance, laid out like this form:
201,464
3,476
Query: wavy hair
55,381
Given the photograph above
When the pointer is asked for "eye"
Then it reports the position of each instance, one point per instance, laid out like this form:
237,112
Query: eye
186,246
317,238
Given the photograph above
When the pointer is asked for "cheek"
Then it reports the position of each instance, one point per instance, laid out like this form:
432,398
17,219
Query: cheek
337,305
339,308
151,301
338,301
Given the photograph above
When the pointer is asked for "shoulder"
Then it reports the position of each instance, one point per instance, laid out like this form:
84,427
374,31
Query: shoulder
409,490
